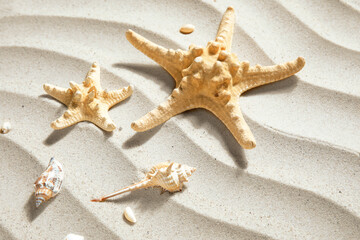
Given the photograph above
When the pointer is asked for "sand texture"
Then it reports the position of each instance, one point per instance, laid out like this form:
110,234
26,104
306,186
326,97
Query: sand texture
302,181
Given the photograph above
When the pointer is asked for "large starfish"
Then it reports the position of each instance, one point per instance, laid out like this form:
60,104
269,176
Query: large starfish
210,78
87,102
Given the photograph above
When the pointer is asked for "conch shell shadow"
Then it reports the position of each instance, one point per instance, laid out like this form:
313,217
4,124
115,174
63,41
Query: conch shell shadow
5,234
156,73
145,199
32,212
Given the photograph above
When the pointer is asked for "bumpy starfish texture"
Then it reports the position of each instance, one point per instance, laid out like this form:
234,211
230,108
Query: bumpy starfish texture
87,102
210,78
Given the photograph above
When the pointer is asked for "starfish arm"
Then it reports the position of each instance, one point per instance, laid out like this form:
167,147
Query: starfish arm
102,119
93,77
114,97
226,28
174,105
169,59
231,116
258,75
61,94
70,117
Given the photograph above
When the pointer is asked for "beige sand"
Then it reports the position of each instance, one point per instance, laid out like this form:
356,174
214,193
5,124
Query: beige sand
300,182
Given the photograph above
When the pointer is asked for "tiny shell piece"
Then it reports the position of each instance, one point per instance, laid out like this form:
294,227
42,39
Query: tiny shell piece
72,236
187,29
129,215
5,128
49,183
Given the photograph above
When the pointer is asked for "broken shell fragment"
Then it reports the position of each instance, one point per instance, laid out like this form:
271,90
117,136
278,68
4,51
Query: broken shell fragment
49,183
129,215
187,29
5,127
72,236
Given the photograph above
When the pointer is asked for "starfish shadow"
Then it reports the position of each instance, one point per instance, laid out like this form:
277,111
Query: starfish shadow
154,72
139,138
57,135
283,86
32,212
61,109
200,117
47,96
107,135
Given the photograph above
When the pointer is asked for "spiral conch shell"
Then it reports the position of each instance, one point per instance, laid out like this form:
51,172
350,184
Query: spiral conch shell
49,183
169,176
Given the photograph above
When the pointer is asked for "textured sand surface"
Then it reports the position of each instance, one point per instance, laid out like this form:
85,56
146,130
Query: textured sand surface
302,181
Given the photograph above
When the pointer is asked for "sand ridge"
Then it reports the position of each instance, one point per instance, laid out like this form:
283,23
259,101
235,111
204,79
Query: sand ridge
291,186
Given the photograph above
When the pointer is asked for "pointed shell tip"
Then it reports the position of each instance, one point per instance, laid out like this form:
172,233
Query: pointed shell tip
128,33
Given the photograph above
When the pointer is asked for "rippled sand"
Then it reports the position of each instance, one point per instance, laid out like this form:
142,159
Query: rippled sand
302,181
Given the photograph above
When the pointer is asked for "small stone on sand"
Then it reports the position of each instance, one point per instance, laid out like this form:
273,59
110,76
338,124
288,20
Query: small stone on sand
187,29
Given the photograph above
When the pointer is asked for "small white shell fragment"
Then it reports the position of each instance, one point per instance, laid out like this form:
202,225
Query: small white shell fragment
129,215
72,236
5,128
187,29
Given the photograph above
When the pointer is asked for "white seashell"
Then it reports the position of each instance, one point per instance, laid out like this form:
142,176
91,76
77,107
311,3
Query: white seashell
187,28
72,236
129,215
5,128
49,183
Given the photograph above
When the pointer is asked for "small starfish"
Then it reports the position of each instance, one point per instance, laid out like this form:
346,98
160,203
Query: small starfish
210,78
87,102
